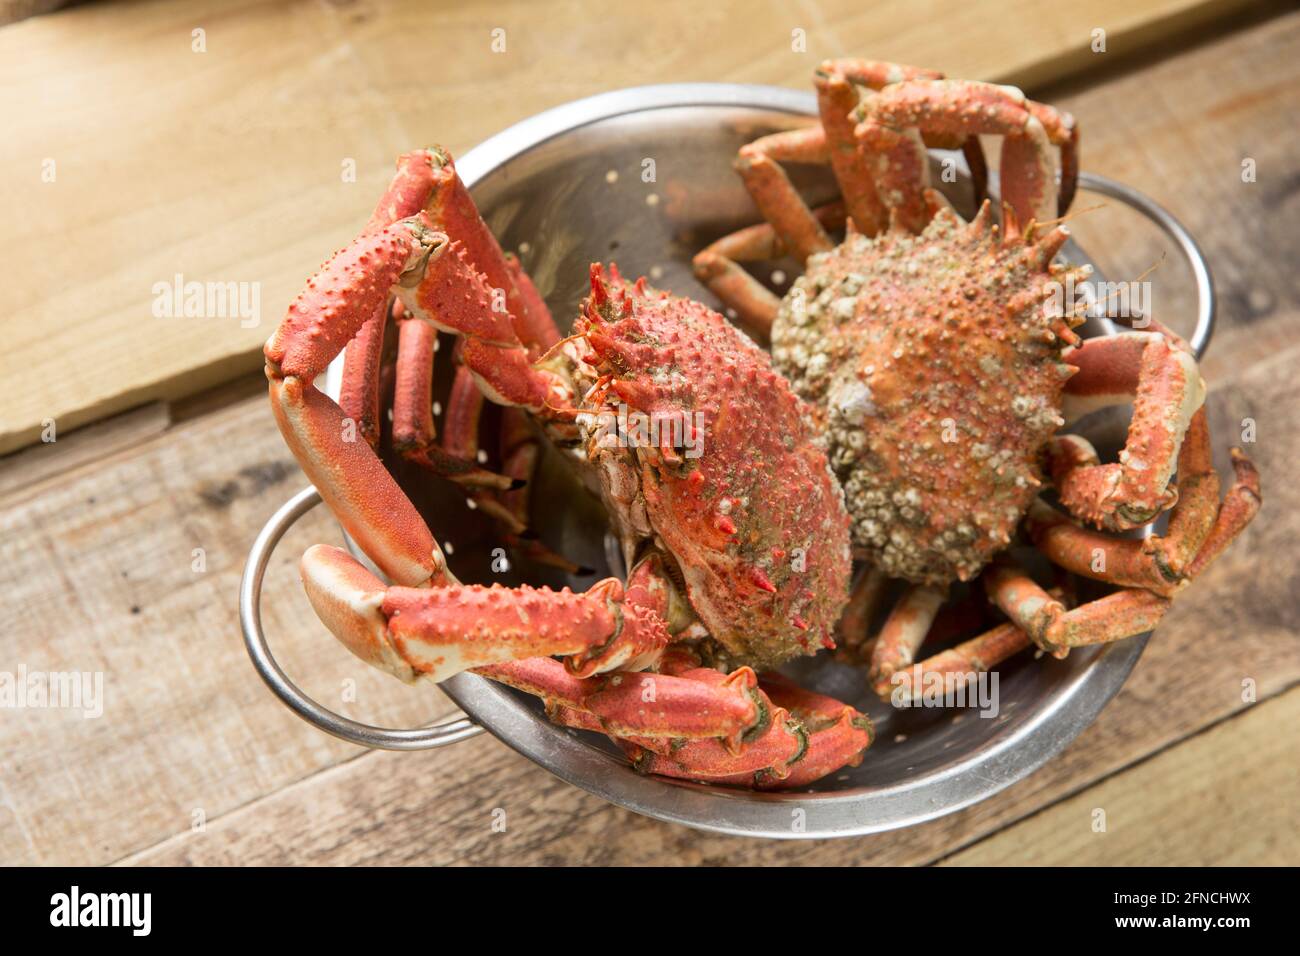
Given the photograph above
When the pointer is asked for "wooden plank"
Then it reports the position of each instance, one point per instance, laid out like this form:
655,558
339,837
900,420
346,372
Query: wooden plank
1243,773
1239,621
100,574
225,166
190,726
25,470
1180,130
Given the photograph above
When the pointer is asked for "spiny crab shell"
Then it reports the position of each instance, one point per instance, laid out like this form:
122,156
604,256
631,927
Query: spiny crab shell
941,377
755,522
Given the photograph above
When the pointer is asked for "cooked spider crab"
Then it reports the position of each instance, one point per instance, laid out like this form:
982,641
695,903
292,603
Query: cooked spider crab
739,554
945,361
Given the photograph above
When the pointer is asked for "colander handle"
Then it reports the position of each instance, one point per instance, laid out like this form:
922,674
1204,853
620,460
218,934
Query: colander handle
250,620
1205,301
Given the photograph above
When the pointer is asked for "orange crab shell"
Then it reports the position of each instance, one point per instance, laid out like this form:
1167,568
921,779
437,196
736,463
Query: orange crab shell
746,502
941,373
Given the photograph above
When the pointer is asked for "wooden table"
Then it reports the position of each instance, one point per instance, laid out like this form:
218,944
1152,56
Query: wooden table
225,165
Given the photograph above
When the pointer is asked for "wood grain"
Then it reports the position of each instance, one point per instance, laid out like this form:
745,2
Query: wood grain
96,568
99,574
226,165
1179,129
1161,801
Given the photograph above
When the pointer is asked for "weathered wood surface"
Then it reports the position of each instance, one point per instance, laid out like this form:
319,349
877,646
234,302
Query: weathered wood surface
1145,815
129,158
97,571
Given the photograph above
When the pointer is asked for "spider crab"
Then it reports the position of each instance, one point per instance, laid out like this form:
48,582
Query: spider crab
739,557
944,371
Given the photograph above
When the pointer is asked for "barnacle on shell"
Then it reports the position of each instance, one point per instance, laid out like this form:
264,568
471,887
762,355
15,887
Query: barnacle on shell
934,362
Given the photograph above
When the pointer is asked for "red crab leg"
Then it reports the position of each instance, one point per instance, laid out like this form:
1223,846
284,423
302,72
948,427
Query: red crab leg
975,656
436,283
542,333
716,266
1114,617
837,100
1166,390
413,427
759,165
408,193
961,108
1056,630
438,632
359,392
809,736
838,735
453,211
1238,509
771,755
1027,604
646,704
349,476
461,440
1199,527
855,621
349,295
903,633
325,316
521,451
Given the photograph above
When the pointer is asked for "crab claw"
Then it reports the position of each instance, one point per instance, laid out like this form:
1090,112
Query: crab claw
439,632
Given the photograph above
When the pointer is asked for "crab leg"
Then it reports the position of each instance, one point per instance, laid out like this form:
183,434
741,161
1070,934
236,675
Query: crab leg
854,623
410,191
838,735
960,108
646,704
759,165
962,661
460,440
453,211
791,226
1199,527
439,632
1166,389
975,656
809,735
359,393
769,756
435,280
413,427
347,472
716,266
520,452
1153,564
836,100
901,637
